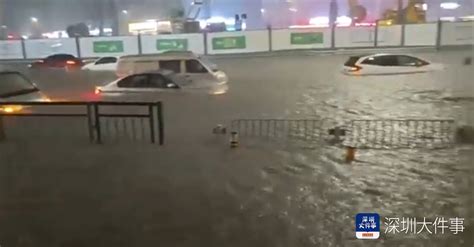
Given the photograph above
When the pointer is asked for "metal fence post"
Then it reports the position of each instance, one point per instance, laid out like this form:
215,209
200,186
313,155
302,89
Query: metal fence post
23,48
438,34
206,49
270,41
161,126
333,36
97,123
78,47
376,34
2,129
402,38
139,41
151,118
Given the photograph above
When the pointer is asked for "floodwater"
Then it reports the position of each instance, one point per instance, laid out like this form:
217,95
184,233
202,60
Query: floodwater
268,192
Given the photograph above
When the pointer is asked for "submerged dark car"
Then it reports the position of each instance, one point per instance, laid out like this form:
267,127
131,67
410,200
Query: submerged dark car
15,87
58,61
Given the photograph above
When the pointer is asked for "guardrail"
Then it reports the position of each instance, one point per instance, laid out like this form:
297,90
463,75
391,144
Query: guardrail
98,120
361,134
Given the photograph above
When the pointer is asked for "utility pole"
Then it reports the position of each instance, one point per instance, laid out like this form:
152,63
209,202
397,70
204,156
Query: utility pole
101,17
401,14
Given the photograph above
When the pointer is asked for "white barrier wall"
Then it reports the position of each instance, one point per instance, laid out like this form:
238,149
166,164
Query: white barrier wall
10,49
389,35
44,47
108,46
457,33
291,39
421,34
178,42
355,36
237,42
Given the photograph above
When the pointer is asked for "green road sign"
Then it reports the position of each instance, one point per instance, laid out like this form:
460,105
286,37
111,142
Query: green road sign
225,43
307,38
172,44
108,46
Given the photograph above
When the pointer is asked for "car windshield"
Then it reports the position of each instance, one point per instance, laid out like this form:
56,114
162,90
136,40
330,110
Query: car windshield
352,61
14,84
237,123
208,63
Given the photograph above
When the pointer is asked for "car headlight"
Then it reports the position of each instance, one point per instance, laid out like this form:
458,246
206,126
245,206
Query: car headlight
221,76
11,108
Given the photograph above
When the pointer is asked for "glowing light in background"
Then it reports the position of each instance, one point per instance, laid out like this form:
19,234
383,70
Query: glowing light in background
343,21
449,5
320,21
448,18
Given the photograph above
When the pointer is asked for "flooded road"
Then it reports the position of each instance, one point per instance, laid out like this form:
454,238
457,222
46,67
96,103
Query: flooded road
265,193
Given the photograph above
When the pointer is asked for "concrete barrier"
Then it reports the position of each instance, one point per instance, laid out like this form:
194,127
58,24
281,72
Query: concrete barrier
421,34
11,49
389,35
40,48
294,39
179,42
354,37
457,33
426,34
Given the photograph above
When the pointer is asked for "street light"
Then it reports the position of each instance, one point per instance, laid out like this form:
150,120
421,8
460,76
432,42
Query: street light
124,11
34,19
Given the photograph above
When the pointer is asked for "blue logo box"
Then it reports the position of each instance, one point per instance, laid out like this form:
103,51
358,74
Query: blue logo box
367,225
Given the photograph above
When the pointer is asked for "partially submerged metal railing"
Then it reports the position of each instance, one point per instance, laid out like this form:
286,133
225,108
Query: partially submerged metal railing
371,134
396,133
100,123
306,129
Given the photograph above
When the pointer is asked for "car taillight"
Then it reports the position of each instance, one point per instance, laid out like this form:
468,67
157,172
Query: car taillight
70,62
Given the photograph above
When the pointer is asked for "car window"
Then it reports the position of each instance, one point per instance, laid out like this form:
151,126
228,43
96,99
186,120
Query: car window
352,61
194,66
410,61
106,60
388,60
157,81
134,81
14,84
372,61
173,65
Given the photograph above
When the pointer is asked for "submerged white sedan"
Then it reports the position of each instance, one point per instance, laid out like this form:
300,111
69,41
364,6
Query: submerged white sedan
102,64
162,81
388,64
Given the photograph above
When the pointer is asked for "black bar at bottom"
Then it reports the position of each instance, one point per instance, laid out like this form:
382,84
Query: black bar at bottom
97,123
161,132
152,124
